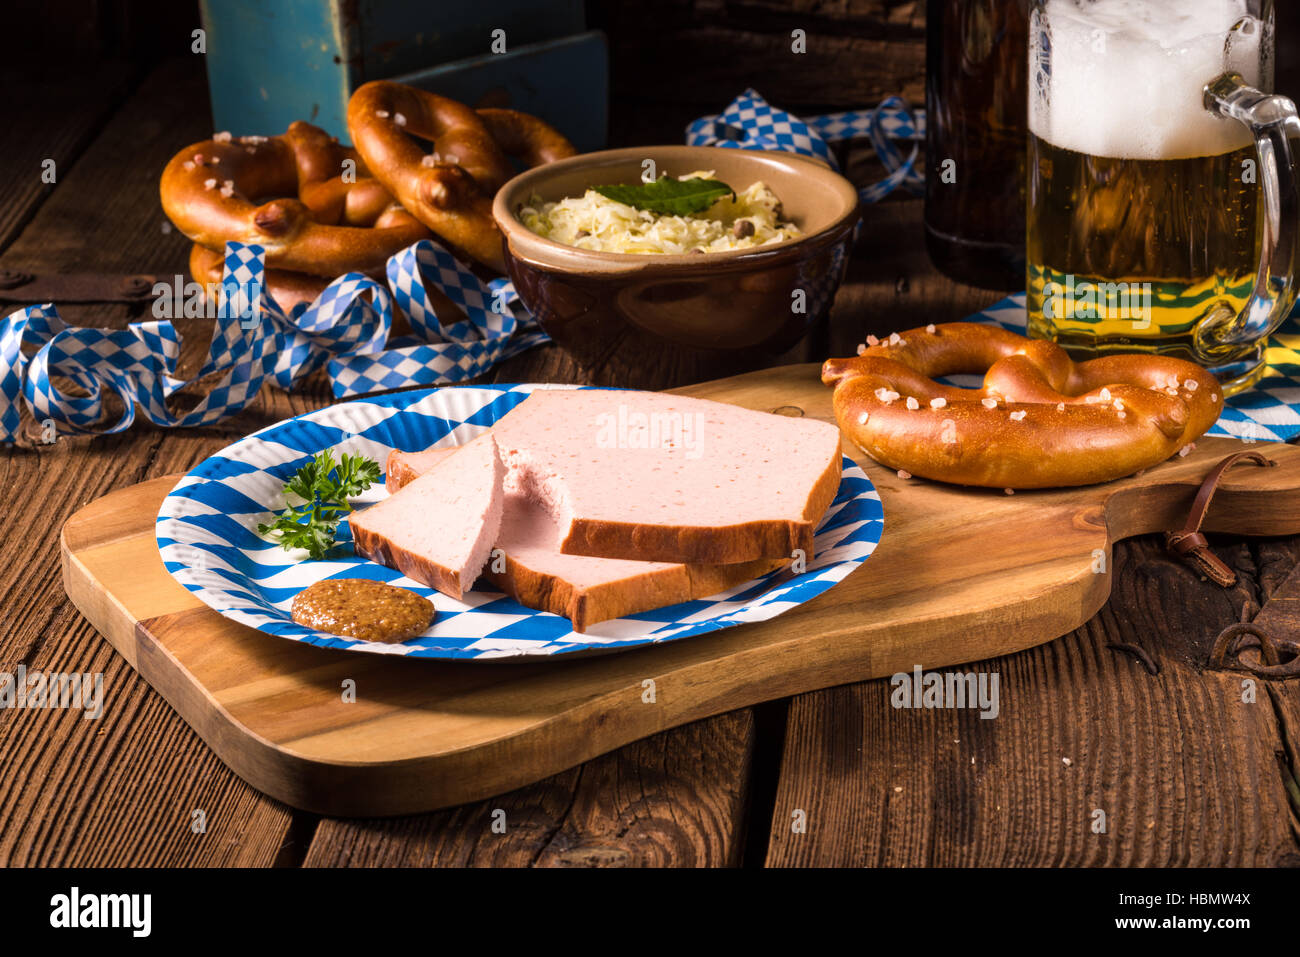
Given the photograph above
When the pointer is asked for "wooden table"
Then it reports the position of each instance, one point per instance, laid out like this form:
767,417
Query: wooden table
1186,773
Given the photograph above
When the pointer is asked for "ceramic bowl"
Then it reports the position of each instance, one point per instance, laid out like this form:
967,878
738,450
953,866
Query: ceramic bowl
693,316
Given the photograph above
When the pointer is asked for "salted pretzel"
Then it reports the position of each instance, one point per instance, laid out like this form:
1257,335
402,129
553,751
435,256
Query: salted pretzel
1039,421
524,137
289,195
449,190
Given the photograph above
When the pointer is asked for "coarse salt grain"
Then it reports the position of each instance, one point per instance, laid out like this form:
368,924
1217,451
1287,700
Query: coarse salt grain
862,419
1119,405
1060,407
430,160
209,184
399,119
931,329
895,338
222,137
989,403
912,404
938,403
228,188
904,474
1009,491
1104,394
1186,450
1214,397
1122,415
1191,385
188,164
862,347
872,341
382,114
1017,416
886,395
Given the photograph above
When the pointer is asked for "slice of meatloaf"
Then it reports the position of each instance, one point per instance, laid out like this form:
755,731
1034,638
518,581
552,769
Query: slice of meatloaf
531,569
647,476
403,467
439,528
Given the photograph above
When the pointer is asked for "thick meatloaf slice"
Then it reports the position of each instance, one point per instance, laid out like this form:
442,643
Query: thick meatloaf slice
404,467
531,569
647,476
439,528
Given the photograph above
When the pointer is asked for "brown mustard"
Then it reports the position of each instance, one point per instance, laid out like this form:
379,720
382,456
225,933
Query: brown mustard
362,609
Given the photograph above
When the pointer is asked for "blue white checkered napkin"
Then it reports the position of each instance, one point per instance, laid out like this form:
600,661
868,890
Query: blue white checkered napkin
751,123
346,328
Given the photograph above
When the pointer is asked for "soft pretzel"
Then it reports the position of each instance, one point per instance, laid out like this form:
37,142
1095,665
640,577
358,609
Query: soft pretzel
1039,421
287,194
449,190
526,138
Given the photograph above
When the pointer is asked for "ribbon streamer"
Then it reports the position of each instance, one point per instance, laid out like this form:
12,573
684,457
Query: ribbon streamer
346,328
751,123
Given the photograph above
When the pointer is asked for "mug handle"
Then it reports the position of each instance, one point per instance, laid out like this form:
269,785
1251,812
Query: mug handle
1272,120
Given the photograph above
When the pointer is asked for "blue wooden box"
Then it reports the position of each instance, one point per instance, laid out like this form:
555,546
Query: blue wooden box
271,62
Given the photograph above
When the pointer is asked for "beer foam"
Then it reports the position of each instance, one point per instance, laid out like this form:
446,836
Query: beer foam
1125,78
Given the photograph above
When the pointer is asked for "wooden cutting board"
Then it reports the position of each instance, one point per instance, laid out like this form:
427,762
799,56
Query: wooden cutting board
960,575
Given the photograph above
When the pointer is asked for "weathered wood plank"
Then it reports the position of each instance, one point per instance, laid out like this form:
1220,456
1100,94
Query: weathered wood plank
58,114
857,53
1185,772
123,789
674,799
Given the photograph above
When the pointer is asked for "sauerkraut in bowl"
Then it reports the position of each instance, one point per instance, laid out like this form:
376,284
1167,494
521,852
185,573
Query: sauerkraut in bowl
748,218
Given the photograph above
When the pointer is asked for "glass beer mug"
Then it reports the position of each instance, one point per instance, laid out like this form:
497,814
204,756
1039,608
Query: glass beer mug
1162,211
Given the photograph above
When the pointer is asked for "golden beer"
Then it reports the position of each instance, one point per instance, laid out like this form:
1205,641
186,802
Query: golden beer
1132,254
1149,152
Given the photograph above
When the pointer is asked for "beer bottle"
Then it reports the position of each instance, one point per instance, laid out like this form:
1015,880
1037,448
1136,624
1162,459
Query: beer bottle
976,119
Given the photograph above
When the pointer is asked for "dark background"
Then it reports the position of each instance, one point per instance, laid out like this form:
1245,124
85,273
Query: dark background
671,60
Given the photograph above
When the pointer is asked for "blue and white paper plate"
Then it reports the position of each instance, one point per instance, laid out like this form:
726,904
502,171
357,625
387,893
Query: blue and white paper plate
207,535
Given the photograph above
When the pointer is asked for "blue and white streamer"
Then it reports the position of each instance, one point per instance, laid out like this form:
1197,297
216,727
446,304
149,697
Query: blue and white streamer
347,329
751,123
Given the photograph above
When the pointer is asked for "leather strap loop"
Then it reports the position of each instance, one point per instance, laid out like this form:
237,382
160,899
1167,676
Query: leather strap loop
1189,543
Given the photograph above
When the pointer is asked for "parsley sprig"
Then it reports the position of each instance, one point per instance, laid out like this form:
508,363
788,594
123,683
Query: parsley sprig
324,488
